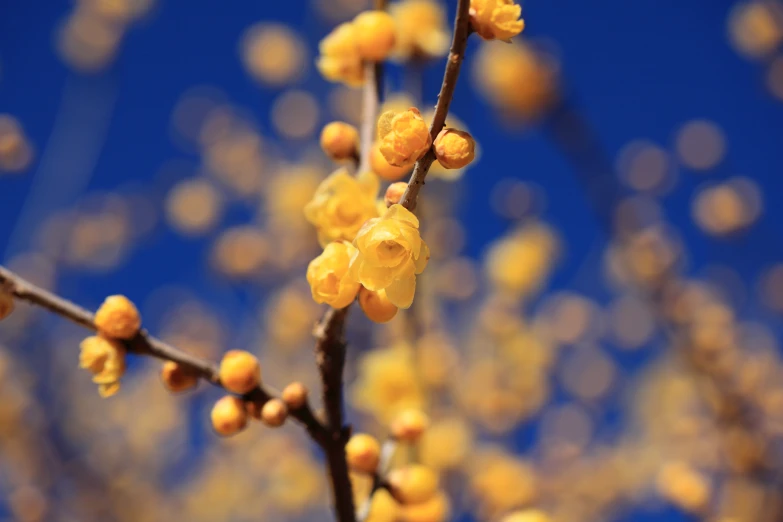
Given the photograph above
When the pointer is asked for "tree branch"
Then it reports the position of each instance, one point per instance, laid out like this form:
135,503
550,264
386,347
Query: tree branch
456,55
146,345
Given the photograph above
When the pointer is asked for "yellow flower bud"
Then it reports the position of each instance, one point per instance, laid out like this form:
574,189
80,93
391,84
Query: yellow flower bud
394,193
527,515
376,305
435,509
6,304
382,168
105,359
295,395
340,60
403,137
363,453
409,425
454,148
413,484
341,205
496,19
177,378
274,413
383,507
329,276
390,254
340,140
240,371
375,34
118,318
229,416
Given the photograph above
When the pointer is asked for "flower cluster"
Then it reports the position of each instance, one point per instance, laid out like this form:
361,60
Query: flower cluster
369,37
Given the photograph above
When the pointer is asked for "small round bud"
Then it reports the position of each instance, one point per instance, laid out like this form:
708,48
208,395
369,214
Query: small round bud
340,140
118,318
409,425
274,413
394,193
382,168
376,305
363,453
413,484
454,148
295,395
177,378
375,34
240,371
6,304
229,416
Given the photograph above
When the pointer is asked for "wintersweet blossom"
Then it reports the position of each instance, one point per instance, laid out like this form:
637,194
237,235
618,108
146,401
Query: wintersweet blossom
390,254
454,148
422,29
340,206
375,34
329,277
403,137
105,359
496,19
340,60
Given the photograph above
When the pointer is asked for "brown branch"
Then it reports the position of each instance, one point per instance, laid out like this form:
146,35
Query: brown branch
456,55
146,345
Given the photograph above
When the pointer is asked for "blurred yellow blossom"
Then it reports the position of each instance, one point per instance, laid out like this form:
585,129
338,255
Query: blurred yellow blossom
386,382
341,205
501,482
446,443
375,34
390,254
363,453
193,206
422,30
436,509
340,60
413,484
105,358
340,140
15,150
273,53
517,78
519,263
403,137
329,277
493,19
527,515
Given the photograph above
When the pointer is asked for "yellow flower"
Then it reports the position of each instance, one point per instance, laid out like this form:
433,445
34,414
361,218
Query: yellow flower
105,358
329,278
387,383
340,206
390,254
340,60
375,34
496,19
403,137
454,148
422,29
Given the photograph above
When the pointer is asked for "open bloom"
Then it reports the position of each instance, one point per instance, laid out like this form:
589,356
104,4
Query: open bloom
340,60
390,252
328,275
105,358
340,206
496,19
403,137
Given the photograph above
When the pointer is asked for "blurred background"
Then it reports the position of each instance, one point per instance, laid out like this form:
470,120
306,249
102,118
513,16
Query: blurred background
597,334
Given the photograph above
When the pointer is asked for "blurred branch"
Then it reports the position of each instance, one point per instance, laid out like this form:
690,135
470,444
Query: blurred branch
458,45
144,344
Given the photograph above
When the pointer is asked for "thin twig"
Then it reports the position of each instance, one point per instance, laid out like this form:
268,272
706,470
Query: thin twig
379,478
456,55
144,344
